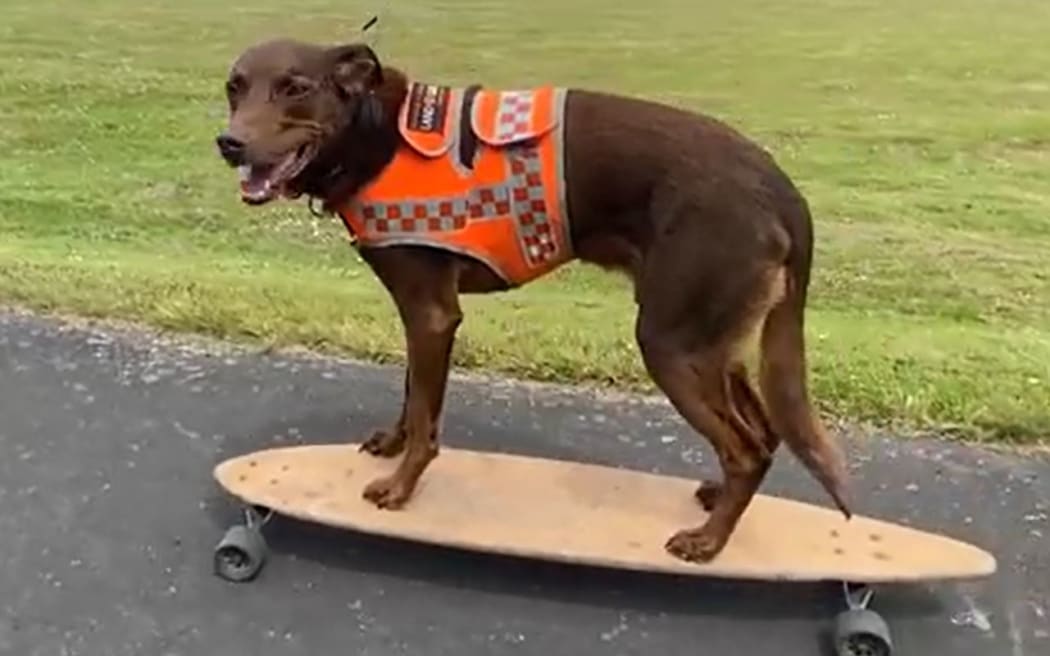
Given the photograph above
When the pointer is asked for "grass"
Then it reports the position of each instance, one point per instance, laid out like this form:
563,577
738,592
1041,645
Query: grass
917,128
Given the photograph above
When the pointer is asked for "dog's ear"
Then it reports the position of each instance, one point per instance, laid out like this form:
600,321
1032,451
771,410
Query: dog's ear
355,69
356,72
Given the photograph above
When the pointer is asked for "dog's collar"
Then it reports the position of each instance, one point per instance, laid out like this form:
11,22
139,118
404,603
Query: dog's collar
460,134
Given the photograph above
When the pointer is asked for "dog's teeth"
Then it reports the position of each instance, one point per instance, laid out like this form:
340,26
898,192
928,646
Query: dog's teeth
245,172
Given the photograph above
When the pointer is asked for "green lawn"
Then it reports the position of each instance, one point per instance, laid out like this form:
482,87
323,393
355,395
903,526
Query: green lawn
917,128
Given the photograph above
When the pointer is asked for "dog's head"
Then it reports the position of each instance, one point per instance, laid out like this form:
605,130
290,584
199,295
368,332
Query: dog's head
289,102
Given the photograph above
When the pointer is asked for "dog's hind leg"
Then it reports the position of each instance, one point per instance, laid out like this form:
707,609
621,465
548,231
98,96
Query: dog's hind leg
695,317
749,416
424,287
694,378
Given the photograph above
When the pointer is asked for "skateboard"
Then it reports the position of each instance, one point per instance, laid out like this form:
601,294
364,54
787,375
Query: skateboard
581,513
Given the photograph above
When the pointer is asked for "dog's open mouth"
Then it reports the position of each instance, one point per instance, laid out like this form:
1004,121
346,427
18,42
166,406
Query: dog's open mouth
261,183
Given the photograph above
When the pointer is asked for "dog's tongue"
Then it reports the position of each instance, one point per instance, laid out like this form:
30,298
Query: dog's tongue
257,183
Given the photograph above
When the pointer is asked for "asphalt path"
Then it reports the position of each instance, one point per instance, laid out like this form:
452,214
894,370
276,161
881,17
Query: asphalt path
109,514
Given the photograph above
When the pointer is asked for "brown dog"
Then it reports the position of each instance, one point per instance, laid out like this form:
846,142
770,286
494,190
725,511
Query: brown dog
714,236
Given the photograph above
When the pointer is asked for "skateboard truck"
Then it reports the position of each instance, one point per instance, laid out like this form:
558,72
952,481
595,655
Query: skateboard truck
240,555
860,631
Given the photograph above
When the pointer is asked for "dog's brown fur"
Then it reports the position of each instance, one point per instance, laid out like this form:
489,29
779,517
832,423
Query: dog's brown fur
714,236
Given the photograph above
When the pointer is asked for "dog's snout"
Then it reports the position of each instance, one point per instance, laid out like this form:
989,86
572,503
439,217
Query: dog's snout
231,148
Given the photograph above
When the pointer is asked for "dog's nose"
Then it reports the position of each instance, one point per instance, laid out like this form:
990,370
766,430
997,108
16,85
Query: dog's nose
231,148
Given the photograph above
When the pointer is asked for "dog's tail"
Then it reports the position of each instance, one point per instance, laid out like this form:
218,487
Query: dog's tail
783,366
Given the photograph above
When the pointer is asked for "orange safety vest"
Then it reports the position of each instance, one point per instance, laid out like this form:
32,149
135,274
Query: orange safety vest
490,185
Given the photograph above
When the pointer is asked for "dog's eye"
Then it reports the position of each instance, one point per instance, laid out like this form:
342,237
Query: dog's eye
294,88
234,86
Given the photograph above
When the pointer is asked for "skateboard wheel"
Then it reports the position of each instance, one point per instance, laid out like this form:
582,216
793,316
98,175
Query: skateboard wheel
240,555
862,632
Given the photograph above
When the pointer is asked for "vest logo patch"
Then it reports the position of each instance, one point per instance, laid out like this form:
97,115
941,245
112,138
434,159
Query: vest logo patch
428,107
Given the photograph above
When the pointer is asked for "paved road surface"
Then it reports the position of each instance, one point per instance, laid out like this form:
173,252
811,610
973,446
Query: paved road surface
108,516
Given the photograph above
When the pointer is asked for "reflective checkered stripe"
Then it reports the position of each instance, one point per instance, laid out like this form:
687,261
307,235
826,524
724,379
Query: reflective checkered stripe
412,217
515,110
489,202
532,216
521,198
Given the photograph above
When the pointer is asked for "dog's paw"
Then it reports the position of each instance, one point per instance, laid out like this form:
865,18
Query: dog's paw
708,494
695,545
389,493
384,444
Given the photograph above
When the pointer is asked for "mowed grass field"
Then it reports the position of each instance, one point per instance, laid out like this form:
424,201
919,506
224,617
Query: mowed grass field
918,129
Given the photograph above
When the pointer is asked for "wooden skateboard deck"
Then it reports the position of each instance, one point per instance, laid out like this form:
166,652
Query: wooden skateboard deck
589,514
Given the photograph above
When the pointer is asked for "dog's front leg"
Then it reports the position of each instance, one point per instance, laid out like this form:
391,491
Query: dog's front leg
387,443
430,338
430,312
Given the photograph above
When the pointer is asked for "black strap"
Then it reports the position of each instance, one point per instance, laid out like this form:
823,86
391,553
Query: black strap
468,142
